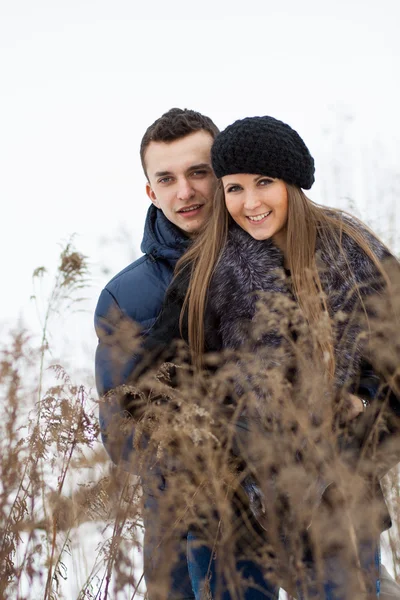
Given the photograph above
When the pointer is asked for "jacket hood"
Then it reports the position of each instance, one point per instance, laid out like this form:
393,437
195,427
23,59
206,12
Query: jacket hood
161,238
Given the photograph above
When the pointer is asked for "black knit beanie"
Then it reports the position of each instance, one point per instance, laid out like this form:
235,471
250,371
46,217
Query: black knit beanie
265,146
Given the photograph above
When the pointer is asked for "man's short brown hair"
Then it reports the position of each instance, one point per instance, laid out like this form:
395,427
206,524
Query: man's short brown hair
173,125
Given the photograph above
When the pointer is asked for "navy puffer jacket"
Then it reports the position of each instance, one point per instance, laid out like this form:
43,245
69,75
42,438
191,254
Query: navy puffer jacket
136,293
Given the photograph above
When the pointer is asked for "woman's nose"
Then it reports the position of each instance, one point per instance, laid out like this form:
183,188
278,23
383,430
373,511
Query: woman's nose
252,200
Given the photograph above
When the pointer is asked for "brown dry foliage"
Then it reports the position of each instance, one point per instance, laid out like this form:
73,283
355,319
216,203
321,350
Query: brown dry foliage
293,452
47,439
315,494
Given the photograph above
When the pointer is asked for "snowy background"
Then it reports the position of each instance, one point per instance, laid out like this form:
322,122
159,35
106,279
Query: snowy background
81,80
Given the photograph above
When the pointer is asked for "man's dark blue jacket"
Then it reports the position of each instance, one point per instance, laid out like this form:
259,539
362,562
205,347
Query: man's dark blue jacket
135,293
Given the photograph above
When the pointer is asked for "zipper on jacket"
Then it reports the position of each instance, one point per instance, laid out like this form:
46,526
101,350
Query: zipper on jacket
153,257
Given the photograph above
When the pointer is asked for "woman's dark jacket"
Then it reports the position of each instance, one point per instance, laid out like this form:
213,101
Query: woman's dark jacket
248,267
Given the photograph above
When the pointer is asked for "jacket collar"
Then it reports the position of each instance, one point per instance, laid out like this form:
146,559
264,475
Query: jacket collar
161,238
249,266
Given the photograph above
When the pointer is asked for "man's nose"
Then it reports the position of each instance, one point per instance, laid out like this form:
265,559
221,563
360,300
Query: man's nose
252,201
185,190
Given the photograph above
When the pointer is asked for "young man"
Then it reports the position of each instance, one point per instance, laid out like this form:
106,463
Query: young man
175,155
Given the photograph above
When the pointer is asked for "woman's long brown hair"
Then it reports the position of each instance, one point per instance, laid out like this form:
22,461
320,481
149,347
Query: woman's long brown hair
305,221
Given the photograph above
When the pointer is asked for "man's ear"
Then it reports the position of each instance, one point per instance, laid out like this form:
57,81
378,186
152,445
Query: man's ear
151,195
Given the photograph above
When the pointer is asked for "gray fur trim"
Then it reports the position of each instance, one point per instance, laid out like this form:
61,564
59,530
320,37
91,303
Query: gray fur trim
248,267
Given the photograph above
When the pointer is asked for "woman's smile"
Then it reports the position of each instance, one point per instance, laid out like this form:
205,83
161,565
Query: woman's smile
259,218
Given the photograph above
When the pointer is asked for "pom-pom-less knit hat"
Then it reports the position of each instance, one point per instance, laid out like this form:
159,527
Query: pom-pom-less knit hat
265,146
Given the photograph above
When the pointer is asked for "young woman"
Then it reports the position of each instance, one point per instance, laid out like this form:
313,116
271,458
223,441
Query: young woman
283,283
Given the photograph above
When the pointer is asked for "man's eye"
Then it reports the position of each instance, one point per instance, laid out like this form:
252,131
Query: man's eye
164,180
200,173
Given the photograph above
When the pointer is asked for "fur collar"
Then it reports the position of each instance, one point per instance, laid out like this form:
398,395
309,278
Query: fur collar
249,267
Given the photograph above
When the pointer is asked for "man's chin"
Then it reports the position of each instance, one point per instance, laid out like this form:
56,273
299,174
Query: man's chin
191,231
191,226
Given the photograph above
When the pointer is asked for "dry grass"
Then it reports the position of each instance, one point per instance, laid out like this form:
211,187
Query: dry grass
56,480
55,477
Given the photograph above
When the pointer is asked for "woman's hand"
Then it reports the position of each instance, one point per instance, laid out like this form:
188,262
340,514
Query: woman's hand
355,408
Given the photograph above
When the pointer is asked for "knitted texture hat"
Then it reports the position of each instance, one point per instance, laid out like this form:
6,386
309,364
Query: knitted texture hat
265,146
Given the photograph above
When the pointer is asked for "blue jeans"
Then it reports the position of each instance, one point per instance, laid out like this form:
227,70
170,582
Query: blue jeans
338,576
174,578
205,576
165,557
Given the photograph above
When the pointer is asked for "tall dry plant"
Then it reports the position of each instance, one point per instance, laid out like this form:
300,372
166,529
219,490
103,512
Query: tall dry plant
47,439
242,420
196,429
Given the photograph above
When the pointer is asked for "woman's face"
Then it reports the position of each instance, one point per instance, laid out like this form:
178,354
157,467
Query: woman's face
258,204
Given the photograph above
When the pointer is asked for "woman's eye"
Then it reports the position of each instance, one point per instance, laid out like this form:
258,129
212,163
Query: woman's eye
265,181
233,188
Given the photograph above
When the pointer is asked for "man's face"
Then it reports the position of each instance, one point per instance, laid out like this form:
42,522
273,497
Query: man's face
181,180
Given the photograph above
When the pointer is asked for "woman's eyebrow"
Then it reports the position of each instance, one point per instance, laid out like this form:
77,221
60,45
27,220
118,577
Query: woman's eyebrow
258,177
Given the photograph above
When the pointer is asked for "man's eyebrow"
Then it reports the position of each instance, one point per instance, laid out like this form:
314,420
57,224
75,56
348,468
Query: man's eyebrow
199,166
162,173
191,168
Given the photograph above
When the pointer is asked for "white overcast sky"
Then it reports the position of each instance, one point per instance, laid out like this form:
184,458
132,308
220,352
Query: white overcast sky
80,80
